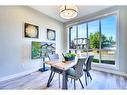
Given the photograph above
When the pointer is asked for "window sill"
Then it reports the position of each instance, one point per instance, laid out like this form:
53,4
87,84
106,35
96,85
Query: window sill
105,66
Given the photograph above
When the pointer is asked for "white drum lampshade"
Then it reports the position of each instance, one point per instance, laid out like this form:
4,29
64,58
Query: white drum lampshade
68,12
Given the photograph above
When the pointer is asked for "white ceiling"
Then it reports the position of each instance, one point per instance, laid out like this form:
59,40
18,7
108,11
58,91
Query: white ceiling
53,11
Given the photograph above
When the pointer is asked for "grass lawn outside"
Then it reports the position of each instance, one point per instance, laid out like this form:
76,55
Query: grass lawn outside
106,56
112,62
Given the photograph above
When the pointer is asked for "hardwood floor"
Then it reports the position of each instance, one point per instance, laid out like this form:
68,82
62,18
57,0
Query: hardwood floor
38,80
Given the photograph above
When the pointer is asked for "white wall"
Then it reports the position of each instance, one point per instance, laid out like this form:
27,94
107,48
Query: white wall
122,37
15,49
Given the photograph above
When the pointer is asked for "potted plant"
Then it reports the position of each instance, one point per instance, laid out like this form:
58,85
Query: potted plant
69,56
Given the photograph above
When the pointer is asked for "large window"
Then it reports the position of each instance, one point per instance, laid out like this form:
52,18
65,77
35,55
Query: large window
108,39
94,40
97,37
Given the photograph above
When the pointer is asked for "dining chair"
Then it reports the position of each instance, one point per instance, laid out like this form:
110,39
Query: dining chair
53,57
76,73
87,67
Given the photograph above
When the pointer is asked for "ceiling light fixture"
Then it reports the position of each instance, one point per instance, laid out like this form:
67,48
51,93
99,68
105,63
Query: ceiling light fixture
68,12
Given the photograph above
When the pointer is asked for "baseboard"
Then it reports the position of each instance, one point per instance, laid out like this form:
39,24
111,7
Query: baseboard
17,75
110,71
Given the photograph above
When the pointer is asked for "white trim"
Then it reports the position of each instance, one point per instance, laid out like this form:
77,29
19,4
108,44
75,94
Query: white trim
105,66
17,75
110,71
117,42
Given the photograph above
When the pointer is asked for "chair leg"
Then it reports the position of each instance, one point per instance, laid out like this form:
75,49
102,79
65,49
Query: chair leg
74,85
81,83
90,76
86,78
59,80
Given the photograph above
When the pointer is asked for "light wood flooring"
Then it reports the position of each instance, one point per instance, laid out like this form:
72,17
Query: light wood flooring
38,80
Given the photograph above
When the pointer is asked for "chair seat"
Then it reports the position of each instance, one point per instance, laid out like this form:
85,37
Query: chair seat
71,72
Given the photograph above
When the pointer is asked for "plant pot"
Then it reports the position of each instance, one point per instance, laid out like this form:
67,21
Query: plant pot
69,58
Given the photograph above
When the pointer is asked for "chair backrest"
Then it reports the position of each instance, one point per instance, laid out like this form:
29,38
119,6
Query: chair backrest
53,56
79,67
63,54
88,62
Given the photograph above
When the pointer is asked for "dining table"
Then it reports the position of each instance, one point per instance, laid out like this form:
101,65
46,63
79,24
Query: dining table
64,66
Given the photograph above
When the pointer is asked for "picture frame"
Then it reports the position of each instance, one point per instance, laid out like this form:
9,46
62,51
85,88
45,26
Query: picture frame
51,34
31,31
42,49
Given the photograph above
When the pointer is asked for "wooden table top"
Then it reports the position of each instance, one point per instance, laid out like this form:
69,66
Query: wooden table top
64,65
61,65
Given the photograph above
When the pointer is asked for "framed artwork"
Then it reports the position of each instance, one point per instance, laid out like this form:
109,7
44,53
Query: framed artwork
42,49
51,34
31,31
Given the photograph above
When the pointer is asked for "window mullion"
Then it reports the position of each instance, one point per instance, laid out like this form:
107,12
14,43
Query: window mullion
100,41
76,37
87,47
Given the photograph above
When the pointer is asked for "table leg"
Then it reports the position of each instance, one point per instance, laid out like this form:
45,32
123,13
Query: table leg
64,85
50,78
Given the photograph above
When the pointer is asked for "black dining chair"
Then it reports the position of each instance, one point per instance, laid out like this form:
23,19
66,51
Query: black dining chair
87,67
54,70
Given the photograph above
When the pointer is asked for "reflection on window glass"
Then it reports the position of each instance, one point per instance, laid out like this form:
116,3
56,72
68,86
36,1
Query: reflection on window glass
94,34
82,37
72,35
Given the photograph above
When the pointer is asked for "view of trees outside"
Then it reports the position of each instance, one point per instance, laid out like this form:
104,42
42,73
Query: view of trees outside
100,43
93,34
94,40
107,43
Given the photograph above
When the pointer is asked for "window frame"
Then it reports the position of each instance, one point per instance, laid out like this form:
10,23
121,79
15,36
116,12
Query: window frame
116,13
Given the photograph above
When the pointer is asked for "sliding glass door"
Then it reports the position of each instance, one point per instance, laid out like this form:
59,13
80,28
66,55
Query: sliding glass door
97,37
